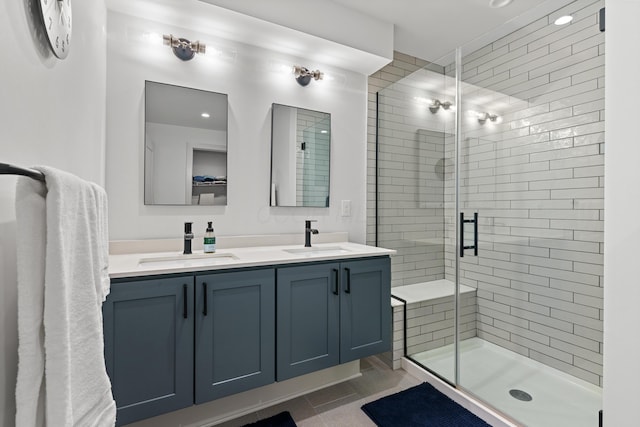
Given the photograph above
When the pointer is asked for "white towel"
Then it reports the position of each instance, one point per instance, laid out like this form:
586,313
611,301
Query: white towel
77,390
30,247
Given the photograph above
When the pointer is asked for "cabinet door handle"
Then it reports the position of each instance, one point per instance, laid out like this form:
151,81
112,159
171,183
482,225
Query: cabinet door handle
347,289
185,306
204,308
336,290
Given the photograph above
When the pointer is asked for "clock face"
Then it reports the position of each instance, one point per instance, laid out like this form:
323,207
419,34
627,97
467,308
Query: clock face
56,16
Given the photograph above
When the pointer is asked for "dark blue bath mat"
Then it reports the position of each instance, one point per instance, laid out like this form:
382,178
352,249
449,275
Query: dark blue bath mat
283,419
420,406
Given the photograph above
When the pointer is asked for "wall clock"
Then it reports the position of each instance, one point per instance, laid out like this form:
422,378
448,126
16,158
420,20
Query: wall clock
56,18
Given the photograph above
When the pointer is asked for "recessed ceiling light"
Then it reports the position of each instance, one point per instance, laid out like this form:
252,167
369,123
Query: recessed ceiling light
205,115
563,20
499,3
324,131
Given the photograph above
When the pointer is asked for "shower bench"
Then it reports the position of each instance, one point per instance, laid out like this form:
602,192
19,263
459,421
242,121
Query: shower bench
429,317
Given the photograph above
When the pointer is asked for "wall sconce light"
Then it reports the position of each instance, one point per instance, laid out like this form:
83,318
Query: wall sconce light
436,104
183,48
483,117
304,75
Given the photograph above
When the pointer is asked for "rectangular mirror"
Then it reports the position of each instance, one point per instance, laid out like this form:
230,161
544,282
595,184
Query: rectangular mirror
300,157
185,160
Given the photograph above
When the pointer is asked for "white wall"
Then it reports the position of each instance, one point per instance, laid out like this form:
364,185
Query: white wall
254,79
209,163
622,204
51,113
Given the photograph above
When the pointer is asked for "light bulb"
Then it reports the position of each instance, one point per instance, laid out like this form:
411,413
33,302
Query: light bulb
153,38
563,20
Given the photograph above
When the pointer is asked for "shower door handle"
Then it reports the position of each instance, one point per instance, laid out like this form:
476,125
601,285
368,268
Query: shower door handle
475,234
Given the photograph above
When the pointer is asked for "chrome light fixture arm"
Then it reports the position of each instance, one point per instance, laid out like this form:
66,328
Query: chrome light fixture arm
303,75
183,48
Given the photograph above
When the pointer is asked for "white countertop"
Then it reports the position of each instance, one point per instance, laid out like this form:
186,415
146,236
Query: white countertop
153,263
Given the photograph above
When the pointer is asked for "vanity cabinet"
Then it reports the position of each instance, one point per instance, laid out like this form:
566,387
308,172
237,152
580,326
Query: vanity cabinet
235,332
155,328
172,341
331,313
148,346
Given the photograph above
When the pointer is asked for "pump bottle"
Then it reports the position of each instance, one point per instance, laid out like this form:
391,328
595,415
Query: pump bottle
209,239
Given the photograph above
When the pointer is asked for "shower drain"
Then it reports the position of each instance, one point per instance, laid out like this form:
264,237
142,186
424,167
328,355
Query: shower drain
520,395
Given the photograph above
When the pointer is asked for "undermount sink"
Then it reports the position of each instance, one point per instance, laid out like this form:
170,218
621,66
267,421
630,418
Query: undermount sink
196,260
318,251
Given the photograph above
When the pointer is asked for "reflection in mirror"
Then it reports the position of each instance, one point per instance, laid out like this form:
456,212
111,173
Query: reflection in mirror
185,146
300,157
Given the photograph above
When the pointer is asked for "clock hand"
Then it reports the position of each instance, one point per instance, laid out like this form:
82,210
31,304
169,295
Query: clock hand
61,5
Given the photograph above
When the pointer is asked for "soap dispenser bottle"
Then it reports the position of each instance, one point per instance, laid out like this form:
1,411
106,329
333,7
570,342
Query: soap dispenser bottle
209,239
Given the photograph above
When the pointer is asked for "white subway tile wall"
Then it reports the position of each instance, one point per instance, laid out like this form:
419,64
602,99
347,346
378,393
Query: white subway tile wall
535,176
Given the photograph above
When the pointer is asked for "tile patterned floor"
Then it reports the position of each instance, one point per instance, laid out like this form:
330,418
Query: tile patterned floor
339,405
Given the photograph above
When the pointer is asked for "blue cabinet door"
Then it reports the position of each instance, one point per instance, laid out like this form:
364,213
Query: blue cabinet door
148,337
235,332
308,319
365,312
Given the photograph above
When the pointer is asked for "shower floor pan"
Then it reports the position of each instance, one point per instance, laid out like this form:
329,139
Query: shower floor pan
491,372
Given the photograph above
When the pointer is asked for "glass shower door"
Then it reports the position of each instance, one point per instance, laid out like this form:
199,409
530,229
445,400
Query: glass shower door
530,167
490,176
416,207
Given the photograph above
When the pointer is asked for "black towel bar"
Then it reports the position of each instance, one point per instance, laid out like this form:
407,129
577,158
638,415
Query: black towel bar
7,169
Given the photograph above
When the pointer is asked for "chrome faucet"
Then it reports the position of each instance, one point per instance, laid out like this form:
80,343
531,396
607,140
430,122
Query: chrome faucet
308,231
188,236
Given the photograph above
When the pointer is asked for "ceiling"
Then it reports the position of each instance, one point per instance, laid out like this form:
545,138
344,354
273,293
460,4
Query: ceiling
429,29
356,35
290,36
181,106
432,29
